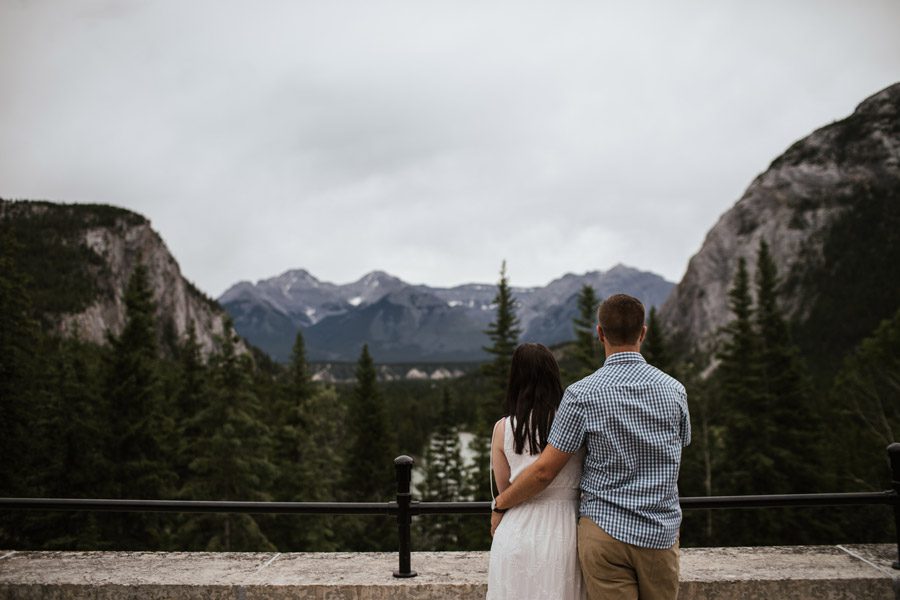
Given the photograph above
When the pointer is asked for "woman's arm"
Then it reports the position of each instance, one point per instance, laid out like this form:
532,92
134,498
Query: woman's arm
498,458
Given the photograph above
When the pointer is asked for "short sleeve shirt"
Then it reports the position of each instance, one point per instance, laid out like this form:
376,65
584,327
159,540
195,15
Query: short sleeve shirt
633,420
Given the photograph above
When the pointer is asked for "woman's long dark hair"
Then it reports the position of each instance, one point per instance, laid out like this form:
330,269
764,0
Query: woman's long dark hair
532,396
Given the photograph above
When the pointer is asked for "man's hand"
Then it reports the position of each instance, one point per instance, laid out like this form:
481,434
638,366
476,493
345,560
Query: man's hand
495,521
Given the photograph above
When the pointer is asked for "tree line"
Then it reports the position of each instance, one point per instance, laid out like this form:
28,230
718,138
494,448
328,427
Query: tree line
128,420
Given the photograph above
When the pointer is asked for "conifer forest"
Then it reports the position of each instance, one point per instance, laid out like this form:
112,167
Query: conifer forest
153,418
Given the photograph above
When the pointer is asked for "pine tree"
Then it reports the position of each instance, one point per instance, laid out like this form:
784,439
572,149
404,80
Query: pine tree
474,534
738,370
785,408
504,335
866,413
139,422
656,347
301,383
587,344
19,340
306,439
72,463
369,472
443,482
322,441
765,411
189,400
866,389
230,455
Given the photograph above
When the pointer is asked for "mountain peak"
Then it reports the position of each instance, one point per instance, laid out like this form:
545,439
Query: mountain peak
375,278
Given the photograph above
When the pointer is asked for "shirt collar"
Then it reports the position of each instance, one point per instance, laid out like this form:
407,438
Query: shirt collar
620,358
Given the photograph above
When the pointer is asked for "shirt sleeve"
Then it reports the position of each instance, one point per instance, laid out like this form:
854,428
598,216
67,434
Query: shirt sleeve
567,431
685,426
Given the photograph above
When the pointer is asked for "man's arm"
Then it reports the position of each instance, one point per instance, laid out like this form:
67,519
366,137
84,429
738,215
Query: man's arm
535,478
530,482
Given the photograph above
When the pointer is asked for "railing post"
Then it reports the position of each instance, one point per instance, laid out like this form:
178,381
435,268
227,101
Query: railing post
403,465
894,455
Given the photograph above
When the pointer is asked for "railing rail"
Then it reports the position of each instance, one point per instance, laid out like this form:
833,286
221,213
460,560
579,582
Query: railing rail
404,507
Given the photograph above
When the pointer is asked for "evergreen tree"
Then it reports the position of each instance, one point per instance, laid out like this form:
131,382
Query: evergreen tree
443,481
766,412
737,381
301,384
504,335
322,440
139,423
656,347
19,339
790,421
306,439
475,535
738,369
369,472
865,409
190,397
230,455
587,344
72,463
705,461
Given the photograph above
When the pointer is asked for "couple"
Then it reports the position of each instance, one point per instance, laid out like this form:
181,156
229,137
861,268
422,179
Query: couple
627,423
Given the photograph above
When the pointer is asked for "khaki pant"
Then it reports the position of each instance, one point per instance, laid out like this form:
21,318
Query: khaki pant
614,570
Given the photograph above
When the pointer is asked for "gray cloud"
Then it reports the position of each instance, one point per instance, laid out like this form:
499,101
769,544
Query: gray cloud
427,139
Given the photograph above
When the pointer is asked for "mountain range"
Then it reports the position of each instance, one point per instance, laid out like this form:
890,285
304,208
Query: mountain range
403,322
828,207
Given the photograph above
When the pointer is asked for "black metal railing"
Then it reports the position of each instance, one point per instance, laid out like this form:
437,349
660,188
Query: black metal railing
405,508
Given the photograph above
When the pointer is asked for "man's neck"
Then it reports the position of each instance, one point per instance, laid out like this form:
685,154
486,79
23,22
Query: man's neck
610,350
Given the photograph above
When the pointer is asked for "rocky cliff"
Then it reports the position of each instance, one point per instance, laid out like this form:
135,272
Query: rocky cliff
79,259
808,194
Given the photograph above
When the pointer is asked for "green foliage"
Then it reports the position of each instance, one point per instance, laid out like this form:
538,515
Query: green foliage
656,348
475,533
230,455
72,464
368,472
864,408
190,396
853,276
65,274
131,420
587,345
19,367
758,411
504,334
307,457
444,481
139,417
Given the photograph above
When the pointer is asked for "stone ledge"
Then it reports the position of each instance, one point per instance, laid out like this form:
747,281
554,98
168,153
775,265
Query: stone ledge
815,572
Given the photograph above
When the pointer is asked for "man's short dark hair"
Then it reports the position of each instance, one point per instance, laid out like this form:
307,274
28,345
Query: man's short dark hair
622,318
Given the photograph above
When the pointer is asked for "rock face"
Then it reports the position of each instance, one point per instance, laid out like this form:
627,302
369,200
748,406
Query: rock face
791,206
111,242
402,322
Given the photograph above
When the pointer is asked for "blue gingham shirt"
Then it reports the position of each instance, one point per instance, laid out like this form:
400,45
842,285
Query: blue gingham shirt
634,420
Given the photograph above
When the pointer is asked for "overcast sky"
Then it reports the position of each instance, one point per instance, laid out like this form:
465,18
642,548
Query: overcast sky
427,139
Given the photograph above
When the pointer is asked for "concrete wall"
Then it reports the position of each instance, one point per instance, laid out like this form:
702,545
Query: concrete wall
772,573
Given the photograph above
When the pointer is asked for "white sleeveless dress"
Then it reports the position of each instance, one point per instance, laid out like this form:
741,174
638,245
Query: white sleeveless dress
534,553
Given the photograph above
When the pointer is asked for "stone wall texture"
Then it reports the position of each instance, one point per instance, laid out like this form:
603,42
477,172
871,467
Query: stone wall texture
771,573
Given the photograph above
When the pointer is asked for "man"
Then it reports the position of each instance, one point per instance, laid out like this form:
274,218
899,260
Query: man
634,420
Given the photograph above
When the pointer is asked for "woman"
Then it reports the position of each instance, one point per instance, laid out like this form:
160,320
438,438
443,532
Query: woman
533,554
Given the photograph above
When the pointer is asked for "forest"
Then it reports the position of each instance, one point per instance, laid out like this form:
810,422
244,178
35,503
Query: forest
150,418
